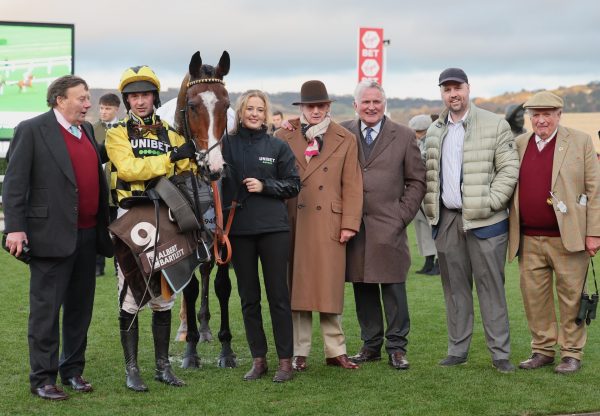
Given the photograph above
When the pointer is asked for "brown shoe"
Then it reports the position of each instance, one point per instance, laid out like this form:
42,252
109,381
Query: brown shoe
568,365
398,360
79,384
341,361
537,360
49,392
259,369
365,355
299,363
284,371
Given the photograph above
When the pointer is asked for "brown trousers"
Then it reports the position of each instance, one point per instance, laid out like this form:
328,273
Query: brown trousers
539,258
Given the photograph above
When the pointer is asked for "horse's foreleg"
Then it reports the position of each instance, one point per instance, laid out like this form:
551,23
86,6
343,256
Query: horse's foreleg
190,295
204,312
227,358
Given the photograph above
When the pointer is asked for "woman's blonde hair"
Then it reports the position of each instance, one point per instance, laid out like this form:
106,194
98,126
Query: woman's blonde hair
241,103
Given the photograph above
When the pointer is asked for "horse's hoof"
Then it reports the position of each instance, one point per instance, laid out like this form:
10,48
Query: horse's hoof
191,362
227,361
206,336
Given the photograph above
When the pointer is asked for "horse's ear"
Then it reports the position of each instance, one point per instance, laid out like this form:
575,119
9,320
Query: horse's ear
223,66
195,65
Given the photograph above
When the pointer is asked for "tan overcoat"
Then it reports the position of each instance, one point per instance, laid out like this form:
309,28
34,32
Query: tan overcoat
575,171
330,199
394,186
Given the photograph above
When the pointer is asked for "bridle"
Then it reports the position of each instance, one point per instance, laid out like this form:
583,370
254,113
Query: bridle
221,237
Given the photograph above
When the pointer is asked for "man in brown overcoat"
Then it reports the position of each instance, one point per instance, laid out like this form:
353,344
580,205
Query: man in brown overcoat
324,217
378,257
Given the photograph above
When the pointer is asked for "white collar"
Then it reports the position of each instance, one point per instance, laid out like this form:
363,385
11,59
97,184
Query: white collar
548,140
63,121
375,128
461,121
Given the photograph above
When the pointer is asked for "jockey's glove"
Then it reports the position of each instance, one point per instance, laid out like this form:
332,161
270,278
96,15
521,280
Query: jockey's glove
185,151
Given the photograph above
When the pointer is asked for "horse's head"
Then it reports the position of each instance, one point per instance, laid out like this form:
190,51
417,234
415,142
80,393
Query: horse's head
204,101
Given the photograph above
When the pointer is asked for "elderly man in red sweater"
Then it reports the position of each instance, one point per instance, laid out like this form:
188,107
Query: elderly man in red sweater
554,229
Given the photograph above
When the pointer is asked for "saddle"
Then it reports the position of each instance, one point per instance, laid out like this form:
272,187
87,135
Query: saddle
162,238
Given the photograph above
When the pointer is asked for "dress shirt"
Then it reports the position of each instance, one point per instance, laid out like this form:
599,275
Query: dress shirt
452,159
374,130
541,143
63,122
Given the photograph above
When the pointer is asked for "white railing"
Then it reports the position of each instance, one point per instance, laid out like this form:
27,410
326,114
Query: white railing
9,66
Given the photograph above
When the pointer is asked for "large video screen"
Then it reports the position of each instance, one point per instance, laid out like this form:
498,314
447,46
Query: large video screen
32,55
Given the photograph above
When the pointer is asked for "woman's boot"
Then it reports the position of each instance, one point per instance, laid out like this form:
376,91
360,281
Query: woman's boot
259,369
284,371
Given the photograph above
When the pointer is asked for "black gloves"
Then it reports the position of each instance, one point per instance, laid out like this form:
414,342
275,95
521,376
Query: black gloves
185,151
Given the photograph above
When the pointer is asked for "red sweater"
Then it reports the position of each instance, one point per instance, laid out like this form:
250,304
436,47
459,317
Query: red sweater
535,179
85,166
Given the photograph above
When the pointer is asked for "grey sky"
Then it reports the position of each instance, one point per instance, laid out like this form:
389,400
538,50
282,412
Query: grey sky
276,45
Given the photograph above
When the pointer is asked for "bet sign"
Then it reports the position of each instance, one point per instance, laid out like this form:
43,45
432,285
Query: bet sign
370,54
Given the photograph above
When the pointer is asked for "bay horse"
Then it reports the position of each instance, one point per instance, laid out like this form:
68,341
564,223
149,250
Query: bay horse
201,116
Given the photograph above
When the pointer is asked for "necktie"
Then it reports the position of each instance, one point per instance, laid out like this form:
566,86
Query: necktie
368,137
75,131
541,144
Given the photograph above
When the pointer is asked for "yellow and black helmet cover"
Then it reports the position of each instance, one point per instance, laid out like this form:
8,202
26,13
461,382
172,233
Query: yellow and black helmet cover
139,79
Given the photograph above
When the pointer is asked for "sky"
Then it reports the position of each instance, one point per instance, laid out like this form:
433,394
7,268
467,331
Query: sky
504,46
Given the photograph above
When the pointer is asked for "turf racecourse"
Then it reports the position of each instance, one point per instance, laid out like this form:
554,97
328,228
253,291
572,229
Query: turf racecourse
376,389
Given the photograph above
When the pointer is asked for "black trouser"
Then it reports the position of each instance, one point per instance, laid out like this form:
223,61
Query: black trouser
69,282
370,318
273,251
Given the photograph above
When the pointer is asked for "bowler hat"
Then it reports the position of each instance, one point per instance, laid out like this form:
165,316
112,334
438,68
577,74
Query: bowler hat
453,75
313,92
544,99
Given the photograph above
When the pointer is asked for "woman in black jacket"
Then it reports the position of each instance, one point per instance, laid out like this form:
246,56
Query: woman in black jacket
261,174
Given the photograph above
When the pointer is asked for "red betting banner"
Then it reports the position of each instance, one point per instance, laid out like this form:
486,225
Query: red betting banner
370,54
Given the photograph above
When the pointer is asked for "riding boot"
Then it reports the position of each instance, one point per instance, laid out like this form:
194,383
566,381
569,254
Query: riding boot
284,371
128,324
427,266
259,369
161,330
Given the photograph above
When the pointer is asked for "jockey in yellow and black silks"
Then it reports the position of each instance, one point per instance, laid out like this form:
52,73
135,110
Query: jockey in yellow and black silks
141,147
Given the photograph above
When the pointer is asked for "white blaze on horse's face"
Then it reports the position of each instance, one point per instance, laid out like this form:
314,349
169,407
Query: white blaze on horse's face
215,158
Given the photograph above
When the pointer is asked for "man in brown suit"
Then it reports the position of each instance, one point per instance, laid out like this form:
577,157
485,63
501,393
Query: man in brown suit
554,228
324,217
378,257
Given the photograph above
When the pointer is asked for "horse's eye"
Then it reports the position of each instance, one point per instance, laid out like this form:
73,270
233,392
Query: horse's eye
191,106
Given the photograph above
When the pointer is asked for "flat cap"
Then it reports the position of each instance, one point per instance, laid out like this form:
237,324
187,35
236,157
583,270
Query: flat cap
420,122
453,75
544,99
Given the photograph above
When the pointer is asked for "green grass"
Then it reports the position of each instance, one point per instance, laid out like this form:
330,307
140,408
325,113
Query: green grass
375,389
